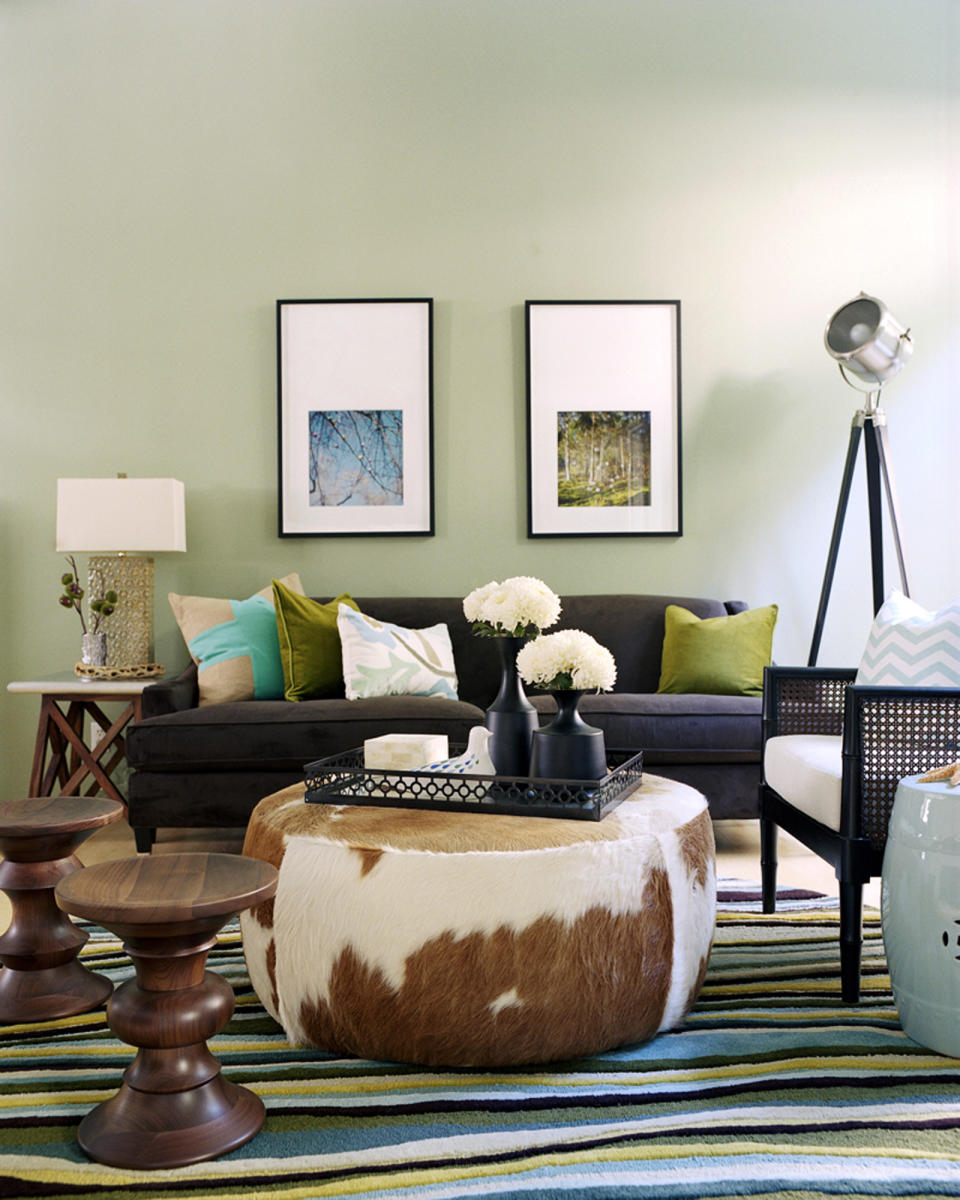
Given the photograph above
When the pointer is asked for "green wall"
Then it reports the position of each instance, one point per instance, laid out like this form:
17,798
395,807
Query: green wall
169,168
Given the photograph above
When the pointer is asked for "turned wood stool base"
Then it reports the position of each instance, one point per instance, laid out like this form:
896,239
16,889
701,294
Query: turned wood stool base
52,993
174,1106
211,1120
41,978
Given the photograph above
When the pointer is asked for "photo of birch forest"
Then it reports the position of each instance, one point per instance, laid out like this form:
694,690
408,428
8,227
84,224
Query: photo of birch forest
356,456
603,459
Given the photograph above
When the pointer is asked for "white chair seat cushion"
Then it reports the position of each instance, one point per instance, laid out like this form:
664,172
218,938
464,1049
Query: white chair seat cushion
805,770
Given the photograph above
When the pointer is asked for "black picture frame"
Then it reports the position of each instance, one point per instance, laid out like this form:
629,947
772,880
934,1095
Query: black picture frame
355,417
603,418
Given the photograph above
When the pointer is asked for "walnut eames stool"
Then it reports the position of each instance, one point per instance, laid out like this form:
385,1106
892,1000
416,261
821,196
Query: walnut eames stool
174,1107
41,978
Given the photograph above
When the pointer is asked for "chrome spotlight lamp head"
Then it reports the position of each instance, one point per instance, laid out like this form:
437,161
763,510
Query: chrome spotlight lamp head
867,341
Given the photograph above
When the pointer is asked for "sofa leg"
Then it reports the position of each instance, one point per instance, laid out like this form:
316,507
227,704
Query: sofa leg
851,940
768,864
144,838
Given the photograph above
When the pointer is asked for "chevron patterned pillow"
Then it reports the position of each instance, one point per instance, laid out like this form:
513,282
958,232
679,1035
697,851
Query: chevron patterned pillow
911,647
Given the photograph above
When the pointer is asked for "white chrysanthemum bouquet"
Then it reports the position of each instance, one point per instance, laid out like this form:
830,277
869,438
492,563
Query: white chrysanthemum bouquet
519,607
567,660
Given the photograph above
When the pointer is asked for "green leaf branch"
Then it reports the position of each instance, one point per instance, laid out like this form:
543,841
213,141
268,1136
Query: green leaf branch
101,606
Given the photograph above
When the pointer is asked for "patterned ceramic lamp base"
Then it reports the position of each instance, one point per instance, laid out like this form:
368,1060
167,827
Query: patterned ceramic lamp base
129,629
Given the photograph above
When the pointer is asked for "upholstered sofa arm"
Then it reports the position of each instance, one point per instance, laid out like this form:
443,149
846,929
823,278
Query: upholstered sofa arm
804,700
172,695
890,732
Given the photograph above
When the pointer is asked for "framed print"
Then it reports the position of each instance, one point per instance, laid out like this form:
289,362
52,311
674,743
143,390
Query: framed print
355,424
603,418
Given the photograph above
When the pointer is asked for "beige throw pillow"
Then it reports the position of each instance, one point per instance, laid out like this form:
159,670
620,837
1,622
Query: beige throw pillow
234,643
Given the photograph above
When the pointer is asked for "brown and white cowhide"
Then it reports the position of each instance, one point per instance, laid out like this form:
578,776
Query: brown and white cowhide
480,940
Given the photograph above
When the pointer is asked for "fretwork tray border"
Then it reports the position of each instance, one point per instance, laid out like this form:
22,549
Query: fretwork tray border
343,779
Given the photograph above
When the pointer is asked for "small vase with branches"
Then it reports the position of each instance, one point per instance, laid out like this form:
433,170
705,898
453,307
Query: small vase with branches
101,605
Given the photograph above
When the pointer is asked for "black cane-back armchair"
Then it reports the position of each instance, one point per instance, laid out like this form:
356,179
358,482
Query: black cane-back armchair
833,754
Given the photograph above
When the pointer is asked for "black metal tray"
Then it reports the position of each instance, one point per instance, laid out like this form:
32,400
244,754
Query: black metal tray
343,779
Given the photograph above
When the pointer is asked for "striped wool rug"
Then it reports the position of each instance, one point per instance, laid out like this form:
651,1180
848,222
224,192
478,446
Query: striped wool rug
772,1088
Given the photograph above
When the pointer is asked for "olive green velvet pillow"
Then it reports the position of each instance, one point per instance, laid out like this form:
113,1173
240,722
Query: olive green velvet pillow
719,655
309,644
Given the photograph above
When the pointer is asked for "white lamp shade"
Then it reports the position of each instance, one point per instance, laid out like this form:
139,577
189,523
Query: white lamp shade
120,514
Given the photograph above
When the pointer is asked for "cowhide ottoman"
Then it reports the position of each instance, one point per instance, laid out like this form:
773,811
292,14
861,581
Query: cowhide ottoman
467,939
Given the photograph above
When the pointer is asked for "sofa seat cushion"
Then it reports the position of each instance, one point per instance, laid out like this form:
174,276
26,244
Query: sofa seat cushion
690,725
278,735
805,769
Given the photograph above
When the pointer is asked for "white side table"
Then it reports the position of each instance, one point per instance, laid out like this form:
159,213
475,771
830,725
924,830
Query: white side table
65,700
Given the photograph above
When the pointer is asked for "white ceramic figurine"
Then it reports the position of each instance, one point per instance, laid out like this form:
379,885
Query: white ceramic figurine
475,761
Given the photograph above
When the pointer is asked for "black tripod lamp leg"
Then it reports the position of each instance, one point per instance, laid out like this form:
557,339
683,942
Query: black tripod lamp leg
874,511
883,453
845,484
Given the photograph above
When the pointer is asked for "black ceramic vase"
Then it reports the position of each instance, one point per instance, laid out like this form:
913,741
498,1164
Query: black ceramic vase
511,718
568,748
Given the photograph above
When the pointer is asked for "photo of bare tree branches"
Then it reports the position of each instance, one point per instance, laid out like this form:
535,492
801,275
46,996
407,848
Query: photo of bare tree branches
603,459
356,456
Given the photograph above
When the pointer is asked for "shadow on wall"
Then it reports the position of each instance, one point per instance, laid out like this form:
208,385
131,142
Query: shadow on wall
227,529
6,594
754,475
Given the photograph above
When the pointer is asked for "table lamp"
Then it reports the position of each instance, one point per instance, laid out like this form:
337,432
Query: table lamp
119,516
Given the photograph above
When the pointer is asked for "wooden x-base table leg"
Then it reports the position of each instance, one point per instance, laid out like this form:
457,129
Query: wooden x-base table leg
72,761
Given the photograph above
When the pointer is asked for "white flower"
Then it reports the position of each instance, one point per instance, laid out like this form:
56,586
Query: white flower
473,604
567,659
518,607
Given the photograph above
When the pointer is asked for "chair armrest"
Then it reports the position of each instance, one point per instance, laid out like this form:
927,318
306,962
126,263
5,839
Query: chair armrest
890,732
172,695
804,700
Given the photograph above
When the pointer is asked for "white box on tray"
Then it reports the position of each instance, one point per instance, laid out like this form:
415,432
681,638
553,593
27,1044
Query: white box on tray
404,751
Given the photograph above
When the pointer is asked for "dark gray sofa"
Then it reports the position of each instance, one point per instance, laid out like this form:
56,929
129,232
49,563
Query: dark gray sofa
208,767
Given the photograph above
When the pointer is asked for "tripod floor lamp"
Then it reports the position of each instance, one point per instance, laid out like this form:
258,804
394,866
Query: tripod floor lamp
871,346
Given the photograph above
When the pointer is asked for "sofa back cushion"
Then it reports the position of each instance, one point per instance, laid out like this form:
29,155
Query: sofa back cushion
630,626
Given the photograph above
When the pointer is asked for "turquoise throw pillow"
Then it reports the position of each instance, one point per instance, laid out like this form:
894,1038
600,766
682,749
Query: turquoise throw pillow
252,633
234,644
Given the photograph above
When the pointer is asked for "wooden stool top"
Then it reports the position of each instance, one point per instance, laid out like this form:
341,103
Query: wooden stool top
167,888
56,814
